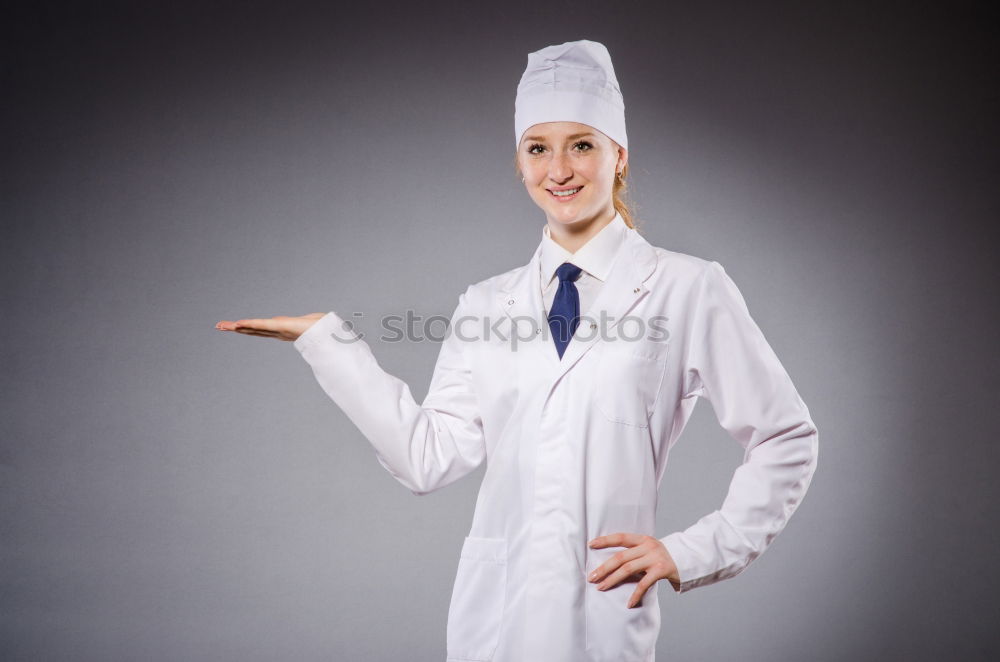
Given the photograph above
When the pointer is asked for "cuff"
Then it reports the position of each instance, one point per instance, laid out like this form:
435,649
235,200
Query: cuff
328,331
685,560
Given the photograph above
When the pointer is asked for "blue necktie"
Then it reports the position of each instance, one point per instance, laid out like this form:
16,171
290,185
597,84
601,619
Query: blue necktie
565,314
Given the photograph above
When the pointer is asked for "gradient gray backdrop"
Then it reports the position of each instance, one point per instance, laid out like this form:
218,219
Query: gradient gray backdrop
171,492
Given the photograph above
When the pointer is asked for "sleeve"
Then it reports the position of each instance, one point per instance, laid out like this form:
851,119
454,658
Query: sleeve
425,447
730,364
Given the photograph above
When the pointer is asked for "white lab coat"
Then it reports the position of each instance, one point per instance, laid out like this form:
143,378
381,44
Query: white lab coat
576,448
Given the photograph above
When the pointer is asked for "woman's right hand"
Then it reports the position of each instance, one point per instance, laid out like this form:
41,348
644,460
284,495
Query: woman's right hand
281,327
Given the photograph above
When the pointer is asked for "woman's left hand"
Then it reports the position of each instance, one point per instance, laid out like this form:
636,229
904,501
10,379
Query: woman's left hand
646,557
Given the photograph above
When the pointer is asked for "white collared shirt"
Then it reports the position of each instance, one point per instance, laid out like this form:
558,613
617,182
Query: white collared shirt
595,258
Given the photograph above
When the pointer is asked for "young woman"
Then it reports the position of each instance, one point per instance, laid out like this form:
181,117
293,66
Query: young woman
575,414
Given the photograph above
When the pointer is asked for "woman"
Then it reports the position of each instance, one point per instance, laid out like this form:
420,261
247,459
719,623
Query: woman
575,414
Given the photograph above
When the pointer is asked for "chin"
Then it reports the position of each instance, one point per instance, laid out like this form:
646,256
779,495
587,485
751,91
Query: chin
568,216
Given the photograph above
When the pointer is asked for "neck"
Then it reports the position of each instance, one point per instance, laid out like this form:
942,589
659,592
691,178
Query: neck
573,236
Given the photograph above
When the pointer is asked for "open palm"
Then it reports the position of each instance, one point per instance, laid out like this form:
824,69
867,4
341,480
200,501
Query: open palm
281,327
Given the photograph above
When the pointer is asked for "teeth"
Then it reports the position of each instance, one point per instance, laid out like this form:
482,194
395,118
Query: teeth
565,193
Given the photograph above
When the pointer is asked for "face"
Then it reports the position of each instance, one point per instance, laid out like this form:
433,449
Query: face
569,171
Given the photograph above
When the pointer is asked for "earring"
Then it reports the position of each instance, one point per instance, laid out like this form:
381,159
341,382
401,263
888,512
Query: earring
522,180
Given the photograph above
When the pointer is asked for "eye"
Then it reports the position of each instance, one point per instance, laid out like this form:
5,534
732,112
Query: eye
535,148
584,146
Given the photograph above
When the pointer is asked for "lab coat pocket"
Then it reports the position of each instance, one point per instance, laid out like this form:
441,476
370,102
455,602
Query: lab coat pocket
629,377
478,599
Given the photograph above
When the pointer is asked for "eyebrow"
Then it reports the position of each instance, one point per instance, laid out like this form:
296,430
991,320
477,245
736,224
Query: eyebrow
573,137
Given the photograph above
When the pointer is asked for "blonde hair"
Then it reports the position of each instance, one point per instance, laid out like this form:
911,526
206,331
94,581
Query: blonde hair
620,197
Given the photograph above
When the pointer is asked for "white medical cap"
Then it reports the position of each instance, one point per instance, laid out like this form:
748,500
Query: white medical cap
571,82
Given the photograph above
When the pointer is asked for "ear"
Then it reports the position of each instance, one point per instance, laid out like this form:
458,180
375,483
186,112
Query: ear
622,159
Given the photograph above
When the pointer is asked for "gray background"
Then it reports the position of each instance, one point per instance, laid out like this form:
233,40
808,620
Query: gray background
170,492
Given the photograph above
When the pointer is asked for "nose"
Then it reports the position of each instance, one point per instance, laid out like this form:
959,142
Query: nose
559,170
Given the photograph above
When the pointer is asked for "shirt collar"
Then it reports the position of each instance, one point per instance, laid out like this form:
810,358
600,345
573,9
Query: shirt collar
595,257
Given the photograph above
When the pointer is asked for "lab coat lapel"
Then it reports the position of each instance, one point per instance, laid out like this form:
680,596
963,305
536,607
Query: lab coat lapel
625,287
521,300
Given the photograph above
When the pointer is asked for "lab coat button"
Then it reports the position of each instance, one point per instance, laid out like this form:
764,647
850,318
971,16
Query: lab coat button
510,302
636,289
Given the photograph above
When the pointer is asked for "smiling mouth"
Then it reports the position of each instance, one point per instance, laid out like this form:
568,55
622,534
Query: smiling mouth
565,194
